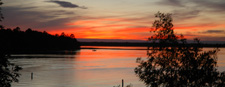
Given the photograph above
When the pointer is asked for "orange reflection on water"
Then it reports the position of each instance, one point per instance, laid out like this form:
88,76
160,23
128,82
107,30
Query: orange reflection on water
108,58
107,66
87,68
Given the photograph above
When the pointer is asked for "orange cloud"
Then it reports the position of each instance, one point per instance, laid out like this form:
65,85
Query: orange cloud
106,28
121,28
123,33
201,27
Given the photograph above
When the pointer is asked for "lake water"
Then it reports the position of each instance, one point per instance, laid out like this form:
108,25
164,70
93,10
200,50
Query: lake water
86,67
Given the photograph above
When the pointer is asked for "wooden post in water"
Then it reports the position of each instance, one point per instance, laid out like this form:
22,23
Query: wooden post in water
122,82
32,75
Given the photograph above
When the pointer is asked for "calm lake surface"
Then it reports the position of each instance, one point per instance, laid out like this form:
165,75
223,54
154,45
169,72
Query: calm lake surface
86,67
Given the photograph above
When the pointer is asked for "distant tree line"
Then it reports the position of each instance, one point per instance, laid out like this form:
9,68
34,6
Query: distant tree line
147,44
30,40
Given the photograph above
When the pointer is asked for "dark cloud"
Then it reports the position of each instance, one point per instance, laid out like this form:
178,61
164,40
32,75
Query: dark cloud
67,4
213,39
186,13
215,5
23,18
181,11
204,38
171,3
214,31
204,5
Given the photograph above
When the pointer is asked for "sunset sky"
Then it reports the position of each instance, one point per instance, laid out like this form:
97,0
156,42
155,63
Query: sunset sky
116,19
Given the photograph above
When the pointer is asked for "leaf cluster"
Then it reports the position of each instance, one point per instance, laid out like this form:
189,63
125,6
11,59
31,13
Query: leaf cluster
9,72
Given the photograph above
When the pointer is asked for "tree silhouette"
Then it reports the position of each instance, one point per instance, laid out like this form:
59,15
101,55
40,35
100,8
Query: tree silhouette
62,34
8,71
173,63
72,36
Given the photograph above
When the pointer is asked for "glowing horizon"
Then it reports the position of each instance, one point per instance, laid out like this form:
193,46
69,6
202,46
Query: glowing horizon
110,19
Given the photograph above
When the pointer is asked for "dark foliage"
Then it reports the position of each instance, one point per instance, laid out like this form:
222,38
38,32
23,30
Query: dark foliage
177,66
30,40
9,72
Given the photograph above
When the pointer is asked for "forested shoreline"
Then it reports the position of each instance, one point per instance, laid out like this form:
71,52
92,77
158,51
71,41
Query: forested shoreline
147,44
17,41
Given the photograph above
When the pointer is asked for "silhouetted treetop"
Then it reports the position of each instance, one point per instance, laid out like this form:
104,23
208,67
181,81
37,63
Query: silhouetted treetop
163,30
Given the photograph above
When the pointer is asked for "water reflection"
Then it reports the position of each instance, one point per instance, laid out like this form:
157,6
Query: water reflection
86,68
47,54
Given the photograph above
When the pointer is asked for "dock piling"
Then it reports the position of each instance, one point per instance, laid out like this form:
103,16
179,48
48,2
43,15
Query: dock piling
122,82
32,75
